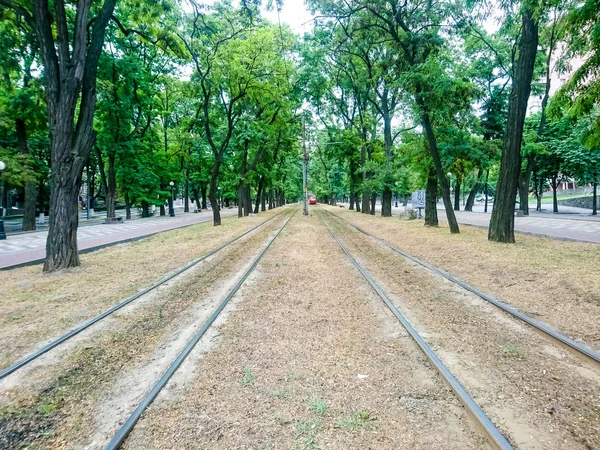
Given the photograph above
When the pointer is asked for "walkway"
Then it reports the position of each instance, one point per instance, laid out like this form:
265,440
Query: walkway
571,225
29,247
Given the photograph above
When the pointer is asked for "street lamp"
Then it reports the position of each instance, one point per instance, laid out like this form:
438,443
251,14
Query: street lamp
2,233
219,199
396,203
171,206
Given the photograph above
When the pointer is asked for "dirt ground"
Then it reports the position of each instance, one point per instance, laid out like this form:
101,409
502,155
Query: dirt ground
550,280
540,397
309,358
35,307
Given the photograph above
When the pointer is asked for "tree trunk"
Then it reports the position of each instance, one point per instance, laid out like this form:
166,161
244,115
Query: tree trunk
240,201
212,193
351,202
186,195
457,194
357,201
554,194
431,216
373,202
365,203
145,209
437,162
502,223
30,189
595,200
111,186
70,70
386,197
162,209
203,189
538,207
524,180
247,201
258,196
127,206
474,191
263,200
61,244
386,203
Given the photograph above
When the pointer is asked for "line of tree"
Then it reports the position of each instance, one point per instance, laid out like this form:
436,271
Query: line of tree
129,97
422,95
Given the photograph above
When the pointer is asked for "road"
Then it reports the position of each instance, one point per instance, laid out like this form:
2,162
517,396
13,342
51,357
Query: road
28,247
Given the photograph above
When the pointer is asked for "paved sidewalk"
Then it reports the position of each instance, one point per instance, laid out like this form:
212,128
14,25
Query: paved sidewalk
570,226
558,228
25,248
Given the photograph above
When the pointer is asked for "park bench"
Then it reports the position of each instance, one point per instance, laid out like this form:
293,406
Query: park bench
111,220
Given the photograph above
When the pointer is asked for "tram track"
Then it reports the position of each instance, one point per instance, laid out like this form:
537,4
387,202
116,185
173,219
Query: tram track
89,323
568,343
495,437
130,423
98,382
539,396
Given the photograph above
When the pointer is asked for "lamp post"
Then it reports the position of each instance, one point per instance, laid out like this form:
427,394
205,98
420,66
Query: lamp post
396,203
2,233
171,206
219,199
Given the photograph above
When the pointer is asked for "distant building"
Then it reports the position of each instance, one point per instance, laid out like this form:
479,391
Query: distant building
557,77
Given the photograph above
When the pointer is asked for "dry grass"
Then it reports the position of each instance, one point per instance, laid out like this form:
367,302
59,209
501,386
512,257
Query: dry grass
35,306
554,281
65,404
496,358
309,359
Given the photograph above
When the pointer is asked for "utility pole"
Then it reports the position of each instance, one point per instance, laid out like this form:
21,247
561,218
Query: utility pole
305,167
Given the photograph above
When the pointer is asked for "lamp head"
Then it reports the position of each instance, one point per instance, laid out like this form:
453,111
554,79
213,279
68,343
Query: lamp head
2,166
171,184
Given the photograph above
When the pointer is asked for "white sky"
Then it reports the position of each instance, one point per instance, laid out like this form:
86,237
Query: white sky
295,14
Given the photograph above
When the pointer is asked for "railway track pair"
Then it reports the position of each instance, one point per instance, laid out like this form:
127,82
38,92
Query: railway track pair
495,437
128,426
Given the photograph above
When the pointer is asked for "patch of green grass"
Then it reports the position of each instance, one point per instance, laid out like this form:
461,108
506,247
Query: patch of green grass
318,406
266,447
511,351
247,377
281,394
46,408
306,433
295,376
360,419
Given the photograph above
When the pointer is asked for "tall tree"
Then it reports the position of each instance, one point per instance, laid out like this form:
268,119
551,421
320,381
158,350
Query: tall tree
70,47
502,222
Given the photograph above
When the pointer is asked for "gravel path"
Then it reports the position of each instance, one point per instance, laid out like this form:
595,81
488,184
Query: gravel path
309,358
541,397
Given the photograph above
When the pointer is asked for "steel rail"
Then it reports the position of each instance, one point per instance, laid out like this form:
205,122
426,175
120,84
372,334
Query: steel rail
46,348
547,330
484,421
128,426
